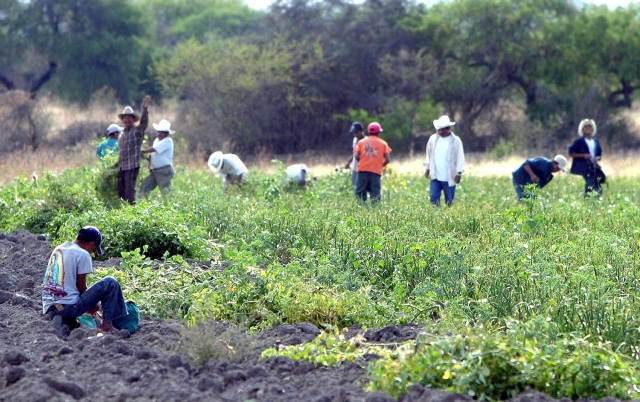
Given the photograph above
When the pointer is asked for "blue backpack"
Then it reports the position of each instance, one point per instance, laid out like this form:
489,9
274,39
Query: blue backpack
130,321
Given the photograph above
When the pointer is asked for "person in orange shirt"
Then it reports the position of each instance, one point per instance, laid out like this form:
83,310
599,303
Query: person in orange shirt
372,155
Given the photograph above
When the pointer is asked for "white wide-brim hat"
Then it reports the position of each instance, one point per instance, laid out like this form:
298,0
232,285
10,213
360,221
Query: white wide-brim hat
129,111
114,128
215,161
163,125
443,122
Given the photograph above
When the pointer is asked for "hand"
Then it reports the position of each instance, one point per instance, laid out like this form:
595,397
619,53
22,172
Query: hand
347,165
426,174
586,156
534,178
457,179
146,101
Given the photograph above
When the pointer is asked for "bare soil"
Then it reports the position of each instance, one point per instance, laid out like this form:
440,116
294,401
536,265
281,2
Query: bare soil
36,365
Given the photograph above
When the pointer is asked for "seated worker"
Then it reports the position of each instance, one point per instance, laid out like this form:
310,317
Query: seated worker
65,295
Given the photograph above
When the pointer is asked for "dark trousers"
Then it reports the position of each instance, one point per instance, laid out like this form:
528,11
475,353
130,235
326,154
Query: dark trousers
107,291
367,182
591,184
127,184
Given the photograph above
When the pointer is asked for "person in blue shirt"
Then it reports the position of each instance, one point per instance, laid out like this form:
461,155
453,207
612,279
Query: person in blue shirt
536,170
110,145
586,152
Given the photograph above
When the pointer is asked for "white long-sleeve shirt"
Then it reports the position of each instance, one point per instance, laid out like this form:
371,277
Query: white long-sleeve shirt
454,158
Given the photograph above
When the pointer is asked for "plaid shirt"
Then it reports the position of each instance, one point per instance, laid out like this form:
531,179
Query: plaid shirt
130,143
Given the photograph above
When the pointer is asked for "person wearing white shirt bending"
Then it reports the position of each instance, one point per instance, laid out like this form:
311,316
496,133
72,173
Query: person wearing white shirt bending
161,170
230,167
444,161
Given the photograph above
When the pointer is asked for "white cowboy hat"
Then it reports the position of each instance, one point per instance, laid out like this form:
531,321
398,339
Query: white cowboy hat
215,161
443,122
114,128
163,125
129,111
587,122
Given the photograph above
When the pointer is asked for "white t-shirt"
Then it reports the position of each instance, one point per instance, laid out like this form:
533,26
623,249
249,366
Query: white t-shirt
440,154
59,284
294,172
231,164
592,146
164,153
354,162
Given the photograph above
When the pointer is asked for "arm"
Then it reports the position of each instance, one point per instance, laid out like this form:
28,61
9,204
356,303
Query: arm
81,282
426,159
527,168
386,160
348,164
144,116
573,151
148,150
459,162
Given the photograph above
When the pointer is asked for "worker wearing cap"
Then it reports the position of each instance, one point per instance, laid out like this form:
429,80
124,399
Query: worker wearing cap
110,145
536,170
65,295
358,133
372,155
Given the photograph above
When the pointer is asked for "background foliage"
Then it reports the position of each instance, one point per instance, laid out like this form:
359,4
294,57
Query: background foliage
282,80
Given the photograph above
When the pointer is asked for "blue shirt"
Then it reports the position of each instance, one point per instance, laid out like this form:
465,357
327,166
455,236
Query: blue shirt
106,147
542,167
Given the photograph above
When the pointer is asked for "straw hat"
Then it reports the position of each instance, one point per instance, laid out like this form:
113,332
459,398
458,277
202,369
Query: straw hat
129,111
215,161
163,125
443,122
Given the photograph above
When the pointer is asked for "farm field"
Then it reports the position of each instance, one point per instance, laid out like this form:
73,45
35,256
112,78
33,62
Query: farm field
485,299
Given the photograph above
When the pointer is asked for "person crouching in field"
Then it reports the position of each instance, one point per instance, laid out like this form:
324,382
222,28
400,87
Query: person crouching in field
161,170
65,295
586,152
536,170
444,161
297,174
110,145
372,155
230,167
130,143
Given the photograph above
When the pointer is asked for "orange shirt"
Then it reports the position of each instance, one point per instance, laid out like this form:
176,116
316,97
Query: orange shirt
372,151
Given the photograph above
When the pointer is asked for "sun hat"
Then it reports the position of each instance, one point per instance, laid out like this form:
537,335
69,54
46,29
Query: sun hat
355,127
114,128
443,122
215,161
129,111
374,128
163,125
587,122
91,233
561,161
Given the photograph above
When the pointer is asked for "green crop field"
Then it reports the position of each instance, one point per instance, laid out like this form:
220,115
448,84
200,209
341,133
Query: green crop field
544,294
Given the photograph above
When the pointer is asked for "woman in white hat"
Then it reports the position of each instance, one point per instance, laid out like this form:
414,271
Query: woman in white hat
586,152
161,170
230,167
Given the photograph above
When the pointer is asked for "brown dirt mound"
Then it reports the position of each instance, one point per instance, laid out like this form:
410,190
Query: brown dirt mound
35,365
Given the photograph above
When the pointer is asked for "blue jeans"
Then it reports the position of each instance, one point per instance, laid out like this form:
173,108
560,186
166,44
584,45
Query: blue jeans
436,187
354,176
107,291
368,182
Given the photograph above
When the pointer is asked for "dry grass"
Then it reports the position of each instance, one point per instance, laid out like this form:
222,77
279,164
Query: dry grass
26,163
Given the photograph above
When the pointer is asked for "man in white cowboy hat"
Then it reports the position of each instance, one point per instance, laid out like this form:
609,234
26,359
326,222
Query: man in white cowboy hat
230,167
161,170
536,170
109,145
444,161
586,153
130,144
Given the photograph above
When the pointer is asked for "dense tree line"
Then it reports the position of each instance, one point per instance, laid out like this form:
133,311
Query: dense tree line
292,78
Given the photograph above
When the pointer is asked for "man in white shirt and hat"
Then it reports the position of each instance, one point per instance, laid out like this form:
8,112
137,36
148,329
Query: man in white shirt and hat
444,161
161,169
228,166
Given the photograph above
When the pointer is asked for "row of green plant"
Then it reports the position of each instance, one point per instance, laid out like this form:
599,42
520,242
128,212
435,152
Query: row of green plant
485,364
270,253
